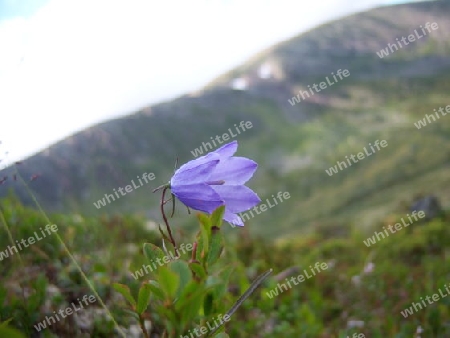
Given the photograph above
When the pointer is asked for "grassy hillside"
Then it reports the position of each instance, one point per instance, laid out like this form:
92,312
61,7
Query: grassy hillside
363,290
294,145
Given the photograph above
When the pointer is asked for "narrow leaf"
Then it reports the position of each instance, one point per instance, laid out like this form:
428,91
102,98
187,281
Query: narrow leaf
143,298
217,216
181,268
198,270
124,290
169,281
156,289
215,247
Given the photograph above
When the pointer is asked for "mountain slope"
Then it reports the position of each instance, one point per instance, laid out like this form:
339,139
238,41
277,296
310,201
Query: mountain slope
381,99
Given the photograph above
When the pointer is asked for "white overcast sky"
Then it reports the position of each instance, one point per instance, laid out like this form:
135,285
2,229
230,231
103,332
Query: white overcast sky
65,65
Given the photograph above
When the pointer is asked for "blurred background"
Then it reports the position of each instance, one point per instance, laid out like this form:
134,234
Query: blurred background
94,94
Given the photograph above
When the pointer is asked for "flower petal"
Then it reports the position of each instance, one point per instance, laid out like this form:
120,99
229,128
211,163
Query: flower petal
198,161
233,219
227,150
234,171
198,196
194,174
237,198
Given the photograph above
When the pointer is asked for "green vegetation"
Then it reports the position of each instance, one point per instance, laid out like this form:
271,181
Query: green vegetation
326,219
407,265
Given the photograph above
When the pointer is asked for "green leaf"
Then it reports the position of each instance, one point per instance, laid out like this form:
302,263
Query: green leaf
208,304
156,289
3,294
10,333
124,290
153,253
190,301
37,298
170,318
198,270
204,220
6,322
169,281
221,335
205,231
216,246
200,246
143,298
224,276
181,268
132,314
217,216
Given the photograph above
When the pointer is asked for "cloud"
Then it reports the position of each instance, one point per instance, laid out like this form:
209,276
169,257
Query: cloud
75,63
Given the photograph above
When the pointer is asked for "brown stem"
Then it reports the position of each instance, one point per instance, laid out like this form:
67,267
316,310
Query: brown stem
143,328
194,252
173,206
169,231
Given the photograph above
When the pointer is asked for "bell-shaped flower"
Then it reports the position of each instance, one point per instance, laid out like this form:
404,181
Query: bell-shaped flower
217,179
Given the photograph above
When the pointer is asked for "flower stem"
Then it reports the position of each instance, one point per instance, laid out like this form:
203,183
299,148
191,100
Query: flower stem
169,231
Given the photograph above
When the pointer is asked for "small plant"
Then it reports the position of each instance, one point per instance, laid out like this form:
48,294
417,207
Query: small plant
189,294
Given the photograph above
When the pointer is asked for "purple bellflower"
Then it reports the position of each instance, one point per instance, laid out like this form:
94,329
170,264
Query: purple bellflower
217,179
